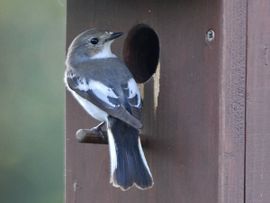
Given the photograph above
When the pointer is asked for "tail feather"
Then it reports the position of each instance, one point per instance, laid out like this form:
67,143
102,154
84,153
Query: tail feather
128,163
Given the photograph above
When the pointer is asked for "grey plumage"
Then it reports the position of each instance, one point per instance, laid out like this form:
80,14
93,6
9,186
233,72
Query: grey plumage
103,85
110,68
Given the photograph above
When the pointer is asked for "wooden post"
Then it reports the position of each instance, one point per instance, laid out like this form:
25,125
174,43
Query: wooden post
258,100
205,112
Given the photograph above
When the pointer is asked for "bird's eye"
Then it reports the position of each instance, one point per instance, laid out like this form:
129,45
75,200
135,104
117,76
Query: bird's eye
94,40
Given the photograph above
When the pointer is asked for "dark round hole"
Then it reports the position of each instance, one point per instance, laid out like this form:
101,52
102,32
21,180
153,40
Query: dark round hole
141,52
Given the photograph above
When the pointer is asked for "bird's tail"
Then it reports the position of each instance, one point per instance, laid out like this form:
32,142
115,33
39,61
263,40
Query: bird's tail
128,163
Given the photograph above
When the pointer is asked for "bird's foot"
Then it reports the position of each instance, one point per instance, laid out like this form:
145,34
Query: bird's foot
93,135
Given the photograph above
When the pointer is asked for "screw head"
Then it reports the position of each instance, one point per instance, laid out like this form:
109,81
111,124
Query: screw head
210,35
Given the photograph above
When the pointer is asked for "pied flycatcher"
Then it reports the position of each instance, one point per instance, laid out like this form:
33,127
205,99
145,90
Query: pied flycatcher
105,88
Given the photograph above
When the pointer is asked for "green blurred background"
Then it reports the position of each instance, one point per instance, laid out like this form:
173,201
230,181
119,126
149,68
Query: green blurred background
32,44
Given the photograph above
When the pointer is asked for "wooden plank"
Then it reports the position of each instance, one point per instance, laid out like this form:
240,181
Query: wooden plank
258,101
187,116
232,102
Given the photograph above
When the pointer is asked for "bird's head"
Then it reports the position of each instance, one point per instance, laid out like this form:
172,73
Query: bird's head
94,44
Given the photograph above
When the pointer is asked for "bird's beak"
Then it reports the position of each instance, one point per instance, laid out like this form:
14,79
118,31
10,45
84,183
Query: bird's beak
113,36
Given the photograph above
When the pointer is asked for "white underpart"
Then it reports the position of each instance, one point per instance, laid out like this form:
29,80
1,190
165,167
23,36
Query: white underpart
90,108
98,114
134,91
100,90
106,52
113,156
143,157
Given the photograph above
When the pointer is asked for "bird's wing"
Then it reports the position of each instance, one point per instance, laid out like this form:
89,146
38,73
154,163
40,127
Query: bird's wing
103,97
133,98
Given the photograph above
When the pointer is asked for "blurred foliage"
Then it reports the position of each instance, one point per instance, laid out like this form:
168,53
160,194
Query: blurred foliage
32,44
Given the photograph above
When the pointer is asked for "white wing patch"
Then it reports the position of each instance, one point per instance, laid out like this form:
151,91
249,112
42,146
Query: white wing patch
99,89
92,109
134,91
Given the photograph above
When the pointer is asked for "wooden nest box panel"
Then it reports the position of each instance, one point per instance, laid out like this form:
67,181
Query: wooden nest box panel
205,107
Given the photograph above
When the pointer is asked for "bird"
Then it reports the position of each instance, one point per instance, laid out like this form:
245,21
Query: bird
103,85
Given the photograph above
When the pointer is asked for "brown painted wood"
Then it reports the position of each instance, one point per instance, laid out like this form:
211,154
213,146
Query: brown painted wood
258,101
196,133
232,102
